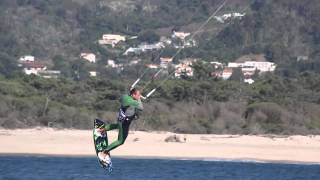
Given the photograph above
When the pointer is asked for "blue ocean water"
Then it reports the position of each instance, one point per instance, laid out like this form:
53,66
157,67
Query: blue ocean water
83,168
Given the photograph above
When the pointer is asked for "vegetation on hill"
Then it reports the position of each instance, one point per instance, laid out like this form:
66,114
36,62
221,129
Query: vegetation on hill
285,102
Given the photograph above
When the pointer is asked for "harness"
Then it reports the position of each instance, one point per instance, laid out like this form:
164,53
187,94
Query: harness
122,116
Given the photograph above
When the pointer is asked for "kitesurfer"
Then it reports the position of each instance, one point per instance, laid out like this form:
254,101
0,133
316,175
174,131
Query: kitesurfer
131,105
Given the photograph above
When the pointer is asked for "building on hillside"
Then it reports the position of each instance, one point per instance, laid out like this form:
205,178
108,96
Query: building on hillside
48,74
180,35
229,16
150,47
165,61
111,63
93,73
27,58
302,58
152,66
132,50
248,70
226,73
89,57
249,80
111,39
251,63
33,67
261,66
134,62
217,65
183,69
144,48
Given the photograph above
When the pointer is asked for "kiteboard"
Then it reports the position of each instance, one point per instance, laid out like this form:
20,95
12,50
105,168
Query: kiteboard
99,139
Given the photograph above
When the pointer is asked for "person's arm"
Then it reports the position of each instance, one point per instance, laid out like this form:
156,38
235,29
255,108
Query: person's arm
138,104
129,101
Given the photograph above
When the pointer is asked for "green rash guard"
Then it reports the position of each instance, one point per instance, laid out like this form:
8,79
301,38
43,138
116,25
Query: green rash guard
127,101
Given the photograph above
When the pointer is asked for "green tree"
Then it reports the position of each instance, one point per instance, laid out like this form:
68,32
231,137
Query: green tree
237,75
149,37
8,65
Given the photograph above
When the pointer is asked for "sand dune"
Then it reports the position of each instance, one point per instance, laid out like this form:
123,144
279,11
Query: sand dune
152,144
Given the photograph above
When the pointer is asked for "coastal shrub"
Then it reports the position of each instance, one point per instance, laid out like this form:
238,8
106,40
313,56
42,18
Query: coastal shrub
4,108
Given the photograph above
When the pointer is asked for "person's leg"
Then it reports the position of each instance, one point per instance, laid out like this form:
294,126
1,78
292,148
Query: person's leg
110,127
125,127
123,134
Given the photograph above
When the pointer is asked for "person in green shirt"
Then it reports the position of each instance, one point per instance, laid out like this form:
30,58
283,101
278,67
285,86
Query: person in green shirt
131,105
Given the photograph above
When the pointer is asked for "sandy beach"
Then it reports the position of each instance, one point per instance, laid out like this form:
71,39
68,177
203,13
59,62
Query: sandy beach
304,149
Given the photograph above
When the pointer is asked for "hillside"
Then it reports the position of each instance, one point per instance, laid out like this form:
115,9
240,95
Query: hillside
57,31
65,27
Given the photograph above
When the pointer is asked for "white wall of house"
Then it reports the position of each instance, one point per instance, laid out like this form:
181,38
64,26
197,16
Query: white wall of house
216,64
111,39
27,58
249,81
132,50
33,70
152,66
49,74
226,74
93,74
188,71
261,66
234,65
180,35
111,63
114,37
89,57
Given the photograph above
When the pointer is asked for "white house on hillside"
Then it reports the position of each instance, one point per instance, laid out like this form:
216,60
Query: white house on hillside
226,73
250,63
27,58
111,63
143,48
228,16
33,67
93,73
180,35
152,66
49,74
149,47
132,50
254,65
184,68
111,39
89,57
217,64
